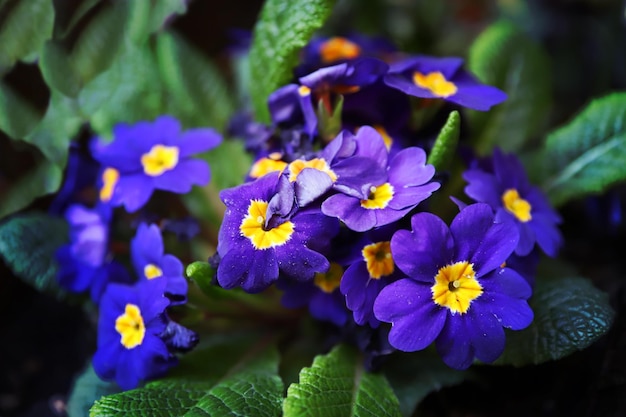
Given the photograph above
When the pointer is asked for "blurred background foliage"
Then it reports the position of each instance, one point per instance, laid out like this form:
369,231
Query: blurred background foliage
71,69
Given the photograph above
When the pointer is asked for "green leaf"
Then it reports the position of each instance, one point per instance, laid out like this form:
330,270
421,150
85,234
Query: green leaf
329,123
44,178
587,155
58,69
283,28
196,85
17,116
147,17
24,30
415,375
202,274
444,148
28,243
570,314
506,58
226,377
88,388
337,385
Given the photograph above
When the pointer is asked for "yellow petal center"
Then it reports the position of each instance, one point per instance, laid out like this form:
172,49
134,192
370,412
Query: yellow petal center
379,197
110,176
456,287
266,165
435,82
517,205
329,281
130,327
253,227
159,160
152,271
338,48
317,163
378,259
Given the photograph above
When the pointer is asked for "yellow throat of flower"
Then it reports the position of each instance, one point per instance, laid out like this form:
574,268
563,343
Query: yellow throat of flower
253,227
435,82
456,287
130,326
378,259
517,205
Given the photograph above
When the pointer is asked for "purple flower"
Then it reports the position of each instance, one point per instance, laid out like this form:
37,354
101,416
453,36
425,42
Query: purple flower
148,156
264,233
151,263
507,190
384,202
84,263
431,77
130,347
457,294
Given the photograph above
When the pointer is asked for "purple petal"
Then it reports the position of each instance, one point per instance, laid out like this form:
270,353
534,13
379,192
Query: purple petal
454,343
253,270
311,184
483,187
188,172
349,210
133,191
146,246
198,140
300,263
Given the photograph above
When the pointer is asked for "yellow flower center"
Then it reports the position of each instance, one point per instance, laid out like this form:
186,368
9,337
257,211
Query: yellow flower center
338,48
517,205
110,176
317,163
456,287
266,165
159,159
253,227
130,326
152,271
379,197
386,138
378,259
435,82
329,281
304,91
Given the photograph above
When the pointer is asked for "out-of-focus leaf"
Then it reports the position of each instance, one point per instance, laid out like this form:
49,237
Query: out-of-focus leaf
17,116
506,58
199,90
147,17
88,388
587,155
229,378
570,314
25,29
444,148
58,70
283,28
28,243
338,385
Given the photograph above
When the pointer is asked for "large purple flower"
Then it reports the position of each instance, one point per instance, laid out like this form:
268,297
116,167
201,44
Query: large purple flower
502,183
132,320
431,77
378,204
150,262
264,233
457,294
148,156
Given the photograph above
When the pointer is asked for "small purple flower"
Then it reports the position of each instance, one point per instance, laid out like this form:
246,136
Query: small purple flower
407,184
84,263
431,77
264,233
130,347
507,190
151,263
457,294
152,156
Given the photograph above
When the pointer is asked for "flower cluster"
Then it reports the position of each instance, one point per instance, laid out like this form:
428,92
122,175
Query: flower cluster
137,339
335,210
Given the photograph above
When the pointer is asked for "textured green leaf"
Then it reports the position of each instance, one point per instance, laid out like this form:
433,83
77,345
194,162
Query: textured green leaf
88,388
337,385
228,377
24,30
17,116
506,58
283,28
58,69
44,178
444,148
415,375
587,155
196,85
570,314
28,243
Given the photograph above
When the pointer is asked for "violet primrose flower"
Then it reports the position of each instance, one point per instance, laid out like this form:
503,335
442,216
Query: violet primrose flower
152,156
457,294
264,233
507,190
431,77
151,263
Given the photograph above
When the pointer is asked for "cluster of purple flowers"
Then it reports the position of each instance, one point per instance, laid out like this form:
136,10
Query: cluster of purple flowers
137,340
335,207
